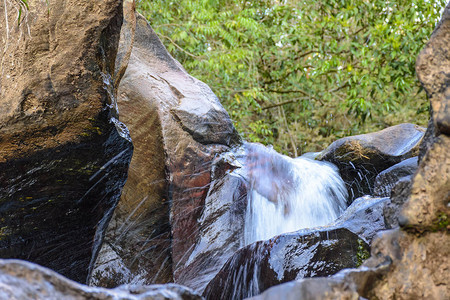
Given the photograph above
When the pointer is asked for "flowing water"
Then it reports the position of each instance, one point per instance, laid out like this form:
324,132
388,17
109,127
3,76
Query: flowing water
288,194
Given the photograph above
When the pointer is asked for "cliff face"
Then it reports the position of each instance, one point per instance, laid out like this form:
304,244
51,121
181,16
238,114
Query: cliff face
64,154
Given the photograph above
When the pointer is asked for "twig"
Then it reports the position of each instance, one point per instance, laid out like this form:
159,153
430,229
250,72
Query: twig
283,103
296,91
176,45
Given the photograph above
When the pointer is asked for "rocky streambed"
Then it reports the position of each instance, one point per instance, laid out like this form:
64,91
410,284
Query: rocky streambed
120,170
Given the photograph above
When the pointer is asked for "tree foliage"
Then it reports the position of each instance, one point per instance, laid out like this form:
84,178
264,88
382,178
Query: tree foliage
299,74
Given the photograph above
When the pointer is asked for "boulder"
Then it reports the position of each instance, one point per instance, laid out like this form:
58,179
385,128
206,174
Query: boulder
364,217
178,126
25,280
64,154
307,253
361,158
432,68
221,232
222,224
399,195
386,180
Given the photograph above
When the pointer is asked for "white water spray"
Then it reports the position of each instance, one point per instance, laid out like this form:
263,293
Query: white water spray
288,194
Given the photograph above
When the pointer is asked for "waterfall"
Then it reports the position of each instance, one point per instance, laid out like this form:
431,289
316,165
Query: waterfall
288,194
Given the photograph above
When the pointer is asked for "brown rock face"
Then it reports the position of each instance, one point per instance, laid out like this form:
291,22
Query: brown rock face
51,81
433,69
64,155
178,126
429,204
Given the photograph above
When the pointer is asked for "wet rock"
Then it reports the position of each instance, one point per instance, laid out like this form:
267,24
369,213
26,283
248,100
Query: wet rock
221,231
361,158
399,195
364,217
305,253
387,179
178,126
287,257
25,280
64,156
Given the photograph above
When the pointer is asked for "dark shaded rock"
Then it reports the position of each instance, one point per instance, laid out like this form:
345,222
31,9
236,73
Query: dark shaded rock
287,257
364,217
361,158
387,179
25,280
178,126
64,154
399,195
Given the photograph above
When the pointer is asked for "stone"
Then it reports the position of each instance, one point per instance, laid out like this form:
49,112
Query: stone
178,126
291,256
221,227
399,195
364,217
25,280
386,180
361,158
64,153
428,206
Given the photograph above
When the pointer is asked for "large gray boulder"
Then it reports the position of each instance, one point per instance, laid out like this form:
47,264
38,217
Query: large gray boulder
21,280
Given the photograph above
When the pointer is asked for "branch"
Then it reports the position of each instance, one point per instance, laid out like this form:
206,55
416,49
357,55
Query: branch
176,45
303,98
283,103
296,91
338,88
